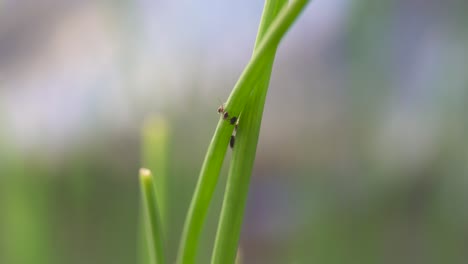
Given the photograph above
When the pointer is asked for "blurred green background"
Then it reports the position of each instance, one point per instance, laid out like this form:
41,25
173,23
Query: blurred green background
363,153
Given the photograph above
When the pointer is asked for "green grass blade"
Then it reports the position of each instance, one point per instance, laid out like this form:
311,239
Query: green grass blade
153,221
155,148
254,69
232,212
144,256
216,151
203,193
271,10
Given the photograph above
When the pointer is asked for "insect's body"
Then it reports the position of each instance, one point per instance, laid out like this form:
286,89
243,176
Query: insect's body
233,136
233,120
232,141
221,109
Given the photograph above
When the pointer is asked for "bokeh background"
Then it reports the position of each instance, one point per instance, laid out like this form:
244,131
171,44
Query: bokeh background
363,152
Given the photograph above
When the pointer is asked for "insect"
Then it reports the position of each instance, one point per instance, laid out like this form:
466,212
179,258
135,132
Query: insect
233,120
221,110
232,141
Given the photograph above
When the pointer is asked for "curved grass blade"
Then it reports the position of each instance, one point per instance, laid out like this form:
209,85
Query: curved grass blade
216,151
152,217
232,212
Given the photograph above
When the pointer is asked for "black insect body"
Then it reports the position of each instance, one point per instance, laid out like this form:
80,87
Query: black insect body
233,120
232,141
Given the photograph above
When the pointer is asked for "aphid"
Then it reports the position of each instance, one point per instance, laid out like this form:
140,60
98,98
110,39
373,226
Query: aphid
221,109
232,141
233,120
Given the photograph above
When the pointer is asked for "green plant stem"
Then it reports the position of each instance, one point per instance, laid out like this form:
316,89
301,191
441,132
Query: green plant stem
253,71
232,212
153,221
155,148
144,256
216,151
203,193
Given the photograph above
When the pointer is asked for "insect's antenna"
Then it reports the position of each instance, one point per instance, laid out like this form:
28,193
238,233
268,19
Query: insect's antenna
220,101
